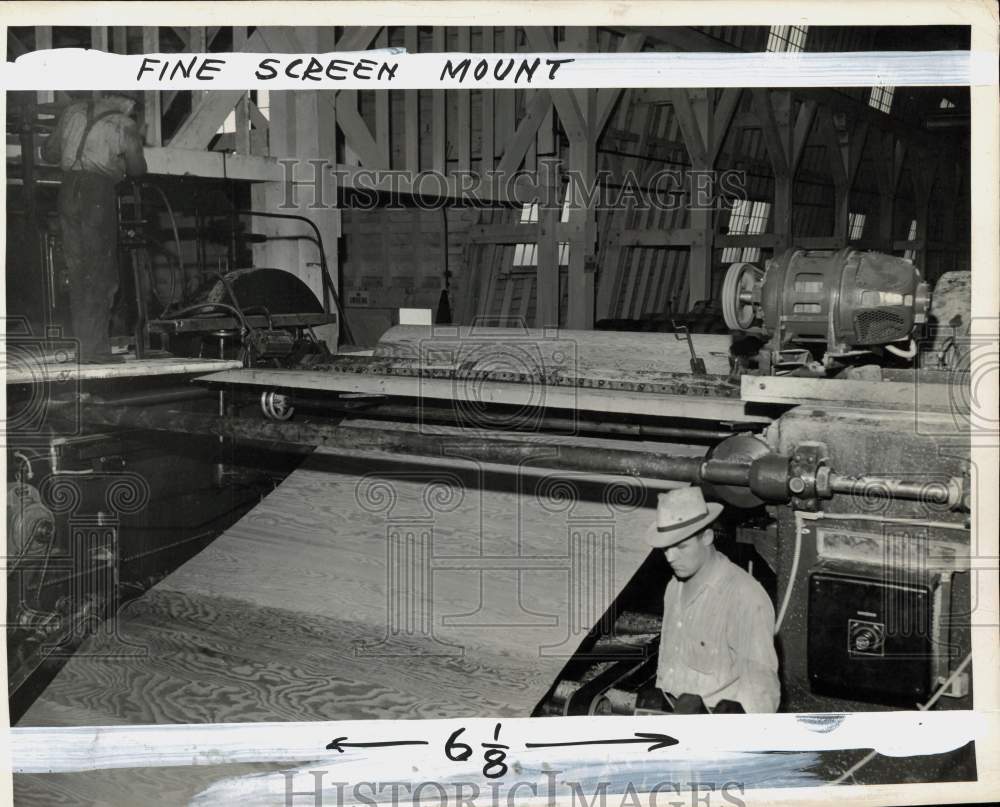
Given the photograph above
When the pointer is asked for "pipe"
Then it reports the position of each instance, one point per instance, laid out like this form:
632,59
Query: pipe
394,442
950,495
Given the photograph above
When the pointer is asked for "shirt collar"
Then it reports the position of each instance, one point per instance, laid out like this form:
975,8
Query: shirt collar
712,570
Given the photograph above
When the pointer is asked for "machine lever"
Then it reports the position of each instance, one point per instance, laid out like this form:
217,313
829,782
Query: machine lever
682,332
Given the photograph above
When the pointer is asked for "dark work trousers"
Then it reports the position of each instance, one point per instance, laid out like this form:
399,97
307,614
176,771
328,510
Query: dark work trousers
87,217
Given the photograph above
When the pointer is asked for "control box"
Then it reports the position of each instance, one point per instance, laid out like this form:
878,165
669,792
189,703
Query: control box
871,639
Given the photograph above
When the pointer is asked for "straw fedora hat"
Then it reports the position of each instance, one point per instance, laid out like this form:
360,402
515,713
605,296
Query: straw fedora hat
680,514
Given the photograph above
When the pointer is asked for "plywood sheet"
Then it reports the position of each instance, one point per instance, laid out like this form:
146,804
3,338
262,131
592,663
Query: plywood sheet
369,588
35,370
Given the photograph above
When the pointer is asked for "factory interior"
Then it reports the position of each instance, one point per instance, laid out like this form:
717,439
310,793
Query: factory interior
375,446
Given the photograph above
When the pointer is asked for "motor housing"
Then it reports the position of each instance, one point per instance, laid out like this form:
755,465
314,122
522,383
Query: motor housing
847,299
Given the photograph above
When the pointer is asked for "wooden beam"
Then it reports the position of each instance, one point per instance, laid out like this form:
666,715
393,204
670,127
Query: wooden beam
781,129
98,41
411,112
580,279
99,38
211,111
512,233
722,119
547,270
800,136
463,99
383,122
184,36
771,131
439,121
519,191
119,39
607,97
359,38
684,38
611,267
693,130
242,110
43,41
505,121
152,110
765,240
571,117
17,47
657,238
517,145
169,161
487,148
356,132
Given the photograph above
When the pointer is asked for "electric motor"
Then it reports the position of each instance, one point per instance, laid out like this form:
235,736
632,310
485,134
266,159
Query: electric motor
847,299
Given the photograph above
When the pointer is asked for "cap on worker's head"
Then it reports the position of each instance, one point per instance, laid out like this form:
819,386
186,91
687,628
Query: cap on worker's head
129,100
680,514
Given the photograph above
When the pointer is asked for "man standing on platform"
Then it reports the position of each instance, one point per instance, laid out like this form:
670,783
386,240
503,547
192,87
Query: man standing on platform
717,641
96,143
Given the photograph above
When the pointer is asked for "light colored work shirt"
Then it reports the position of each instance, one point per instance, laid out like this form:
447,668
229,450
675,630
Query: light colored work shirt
721,645
113,146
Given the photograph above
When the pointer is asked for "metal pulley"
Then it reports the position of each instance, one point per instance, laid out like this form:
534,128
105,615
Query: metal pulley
276,405
740,294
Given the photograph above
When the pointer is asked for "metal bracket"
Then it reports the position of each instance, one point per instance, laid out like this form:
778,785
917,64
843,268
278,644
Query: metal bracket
809,476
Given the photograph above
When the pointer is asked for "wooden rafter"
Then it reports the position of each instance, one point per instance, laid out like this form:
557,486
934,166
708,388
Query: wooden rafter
525,133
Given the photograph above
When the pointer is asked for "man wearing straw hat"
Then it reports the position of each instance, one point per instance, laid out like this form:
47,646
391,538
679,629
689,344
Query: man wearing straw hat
717,641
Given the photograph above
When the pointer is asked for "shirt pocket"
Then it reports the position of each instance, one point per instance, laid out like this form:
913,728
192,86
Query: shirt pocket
702,655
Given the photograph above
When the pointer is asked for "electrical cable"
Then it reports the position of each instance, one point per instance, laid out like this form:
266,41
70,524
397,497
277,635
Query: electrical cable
857,766
327,278
177,241
910,353
799,518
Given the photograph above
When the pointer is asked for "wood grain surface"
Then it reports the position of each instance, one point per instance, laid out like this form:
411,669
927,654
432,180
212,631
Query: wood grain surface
366,588
361,588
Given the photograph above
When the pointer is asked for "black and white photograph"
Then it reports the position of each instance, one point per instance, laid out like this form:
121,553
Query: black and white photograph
351,431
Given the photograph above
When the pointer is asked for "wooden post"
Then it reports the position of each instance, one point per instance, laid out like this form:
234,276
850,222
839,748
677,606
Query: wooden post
784,181
302,127
439,131
383,129
785,134
547,270
119,39
411,107
923,171
154,135
609,278
242,112
487,147
464,101
578,113
43,41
